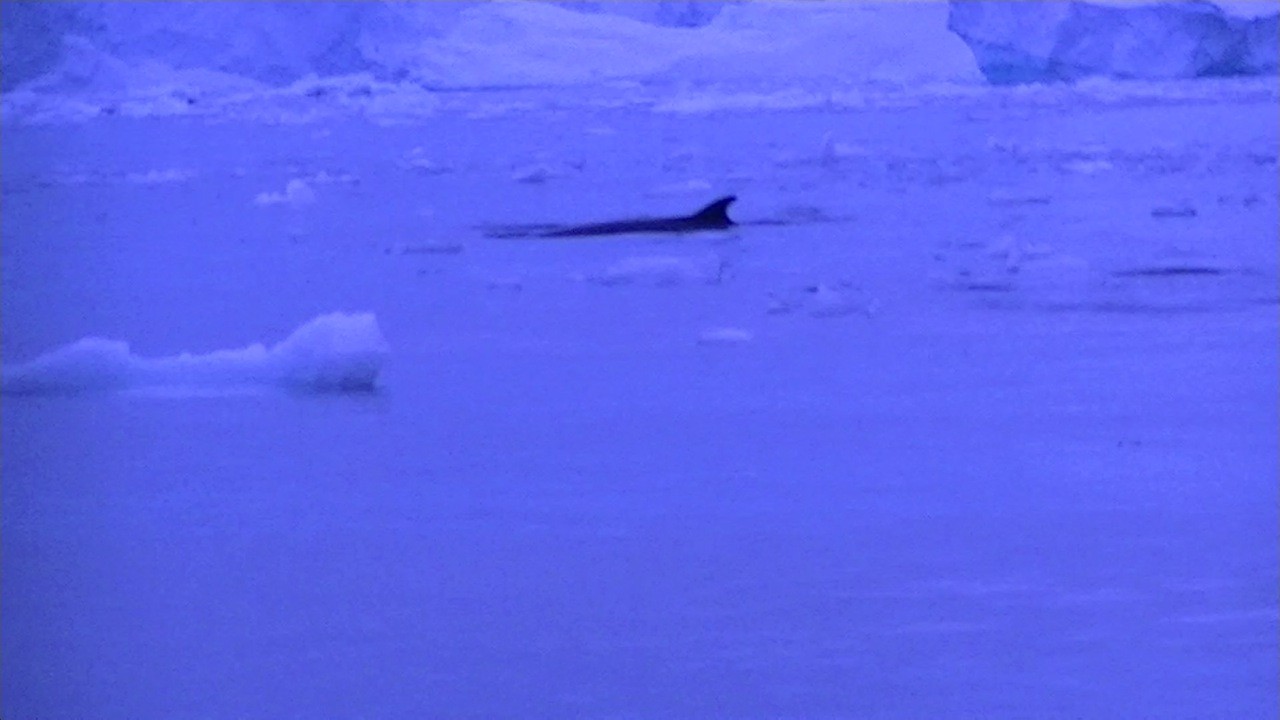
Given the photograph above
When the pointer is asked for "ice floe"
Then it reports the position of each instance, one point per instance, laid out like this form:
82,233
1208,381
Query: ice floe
338,352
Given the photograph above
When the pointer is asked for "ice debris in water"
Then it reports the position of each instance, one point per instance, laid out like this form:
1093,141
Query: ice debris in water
833,152
824,300
338,352
418,160
296,193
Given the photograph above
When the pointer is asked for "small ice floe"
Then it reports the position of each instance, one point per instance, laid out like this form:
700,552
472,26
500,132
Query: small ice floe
725,336
834,152
324,177
1175,211
159,177
419,161
339,352
297,193
663,271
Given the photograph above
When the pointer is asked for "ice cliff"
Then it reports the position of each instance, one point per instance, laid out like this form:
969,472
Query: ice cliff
1016,42
120,47
488,44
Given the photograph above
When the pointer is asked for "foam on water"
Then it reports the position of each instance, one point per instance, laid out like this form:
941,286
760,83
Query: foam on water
338,352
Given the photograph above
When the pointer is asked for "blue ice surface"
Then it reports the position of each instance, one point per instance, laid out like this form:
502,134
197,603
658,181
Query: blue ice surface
977,489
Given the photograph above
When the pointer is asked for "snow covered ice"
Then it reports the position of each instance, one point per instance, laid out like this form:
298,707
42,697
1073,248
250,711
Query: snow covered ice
972,414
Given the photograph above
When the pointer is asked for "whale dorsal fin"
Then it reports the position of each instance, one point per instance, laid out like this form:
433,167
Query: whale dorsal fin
716,214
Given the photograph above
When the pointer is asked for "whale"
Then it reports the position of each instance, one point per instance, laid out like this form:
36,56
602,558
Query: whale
714,216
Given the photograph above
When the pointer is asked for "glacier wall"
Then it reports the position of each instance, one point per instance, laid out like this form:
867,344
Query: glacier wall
1016,42
113,47
494,44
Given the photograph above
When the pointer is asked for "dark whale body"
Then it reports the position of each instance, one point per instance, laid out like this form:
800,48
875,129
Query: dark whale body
712,217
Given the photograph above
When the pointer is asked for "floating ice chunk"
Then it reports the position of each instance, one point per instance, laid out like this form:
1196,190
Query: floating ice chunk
725,336
325,178
87,364
339,352
418,160
296,193
834,152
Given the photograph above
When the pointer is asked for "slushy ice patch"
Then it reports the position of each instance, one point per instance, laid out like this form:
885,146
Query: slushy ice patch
338,352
